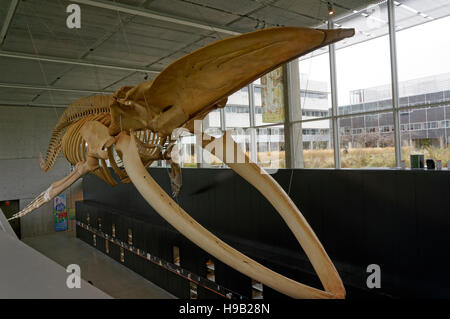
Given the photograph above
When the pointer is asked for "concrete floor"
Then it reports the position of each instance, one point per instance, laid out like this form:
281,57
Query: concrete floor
104,272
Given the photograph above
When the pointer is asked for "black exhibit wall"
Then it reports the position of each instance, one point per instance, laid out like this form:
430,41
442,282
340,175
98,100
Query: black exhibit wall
397,219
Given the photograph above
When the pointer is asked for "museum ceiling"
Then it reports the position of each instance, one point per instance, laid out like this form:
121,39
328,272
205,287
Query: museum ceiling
124,42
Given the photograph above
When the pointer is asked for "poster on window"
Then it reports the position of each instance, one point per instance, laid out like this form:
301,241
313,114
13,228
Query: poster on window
60,212
272,98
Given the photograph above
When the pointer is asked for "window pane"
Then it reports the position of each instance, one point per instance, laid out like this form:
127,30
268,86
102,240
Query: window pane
367,141
242,137
424,78
426,131
236,110
315,98
270,147
423,63
317,144
210,160
187,150
363,68
258,106
212,119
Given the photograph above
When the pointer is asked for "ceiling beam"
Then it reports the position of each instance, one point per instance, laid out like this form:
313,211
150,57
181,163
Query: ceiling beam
24,56
8,19
45,88
27,104
146,13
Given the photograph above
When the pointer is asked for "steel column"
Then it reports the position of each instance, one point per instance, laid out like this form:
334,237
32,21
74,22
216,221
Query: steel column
253,135
293,138
8,19
44,88
24,56
334,102
26,104
394,81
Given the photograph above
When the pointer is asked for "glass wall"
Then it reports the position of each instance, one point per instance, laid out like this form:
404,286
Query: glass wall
424,80
364,111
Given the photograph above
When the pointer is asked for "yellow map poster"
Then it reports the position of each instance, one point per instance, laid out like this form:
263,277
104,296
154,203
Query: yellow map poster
272,97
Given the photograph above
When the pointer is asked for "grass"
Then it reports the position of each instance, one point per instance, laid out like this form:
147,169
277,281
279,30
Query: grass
353,158
265,159
318,158
273,159
368,157
371,157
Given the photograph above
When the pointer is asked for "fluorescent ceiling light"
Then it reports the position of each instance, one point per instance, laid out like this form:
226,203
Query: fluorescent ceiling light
377,19
409,9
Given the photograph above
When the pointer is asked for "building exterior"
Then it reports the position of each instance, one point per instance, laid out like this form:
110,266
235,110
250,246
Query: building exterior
421,126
